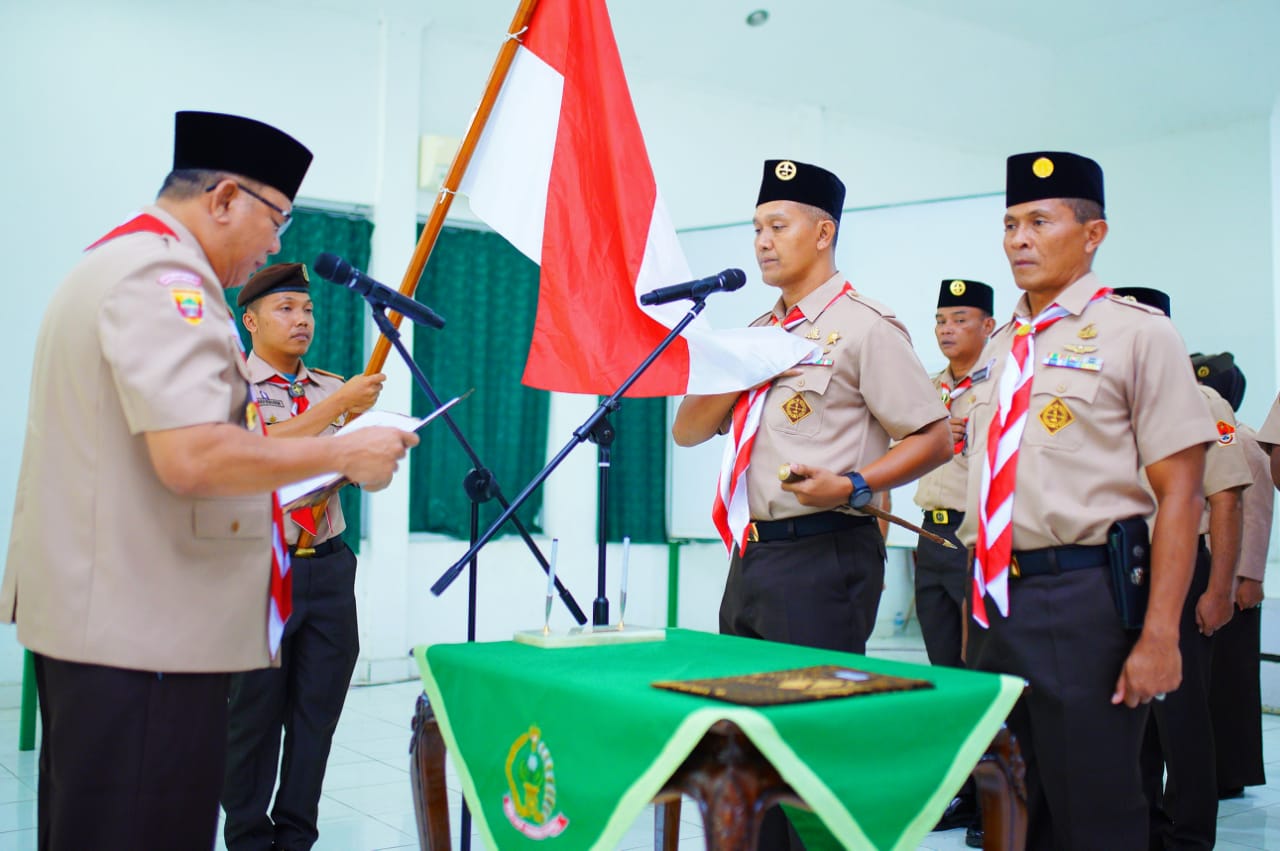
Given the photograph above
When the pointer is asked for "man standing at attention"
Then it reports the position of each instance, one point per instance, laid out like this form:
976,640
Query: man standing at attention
1087,390
303,697
147,557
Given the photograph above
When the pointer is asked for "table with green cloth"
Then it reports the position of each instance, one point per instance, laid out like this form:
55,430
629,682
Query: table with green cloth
563,748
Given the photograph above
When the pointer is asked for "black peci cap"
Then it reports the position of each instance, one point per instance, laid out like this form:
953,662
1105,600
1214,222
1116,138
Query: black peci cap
278,278
789,180
957,292
1052,174
1221,373
217,142
1146,295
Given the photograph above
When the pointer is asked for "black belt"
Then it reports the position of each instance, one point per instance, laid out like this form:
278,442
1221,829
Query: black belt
327,548
804,526
1055,560
943,516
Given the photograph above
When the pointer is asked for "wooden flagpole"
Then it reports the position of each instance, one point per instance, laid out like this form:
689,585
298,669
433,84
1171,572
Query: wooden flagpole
435,222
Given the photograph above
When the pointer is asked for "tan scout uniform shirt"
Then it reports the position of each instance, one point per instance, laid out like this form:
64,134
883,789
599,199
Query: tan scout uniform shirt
1259,500
1078,461
944,487
1226,464
839,416
276,405
106,565
1269,434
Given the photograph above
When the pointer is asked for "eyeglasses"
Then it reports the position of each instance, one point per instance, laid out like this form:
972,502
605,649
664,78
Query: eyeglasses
288,217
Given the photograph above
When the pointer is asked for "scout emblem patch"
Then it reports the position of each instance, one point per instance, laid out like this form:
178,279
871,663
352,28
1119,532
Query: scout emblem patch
190,304
796,408
1056,416
530,804
1226,433
815,334
1202,371
957,288
251,417
1088,332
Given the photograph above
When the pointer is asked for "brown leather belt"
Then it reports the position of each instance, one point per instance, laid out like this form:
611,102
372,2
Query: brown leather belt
804,526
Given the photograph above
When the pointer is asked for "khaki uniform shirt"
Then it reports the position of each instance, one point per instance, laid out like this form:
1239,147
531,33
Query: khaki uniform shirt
840,414
1226,464
1259,500
275,404
1269,434
1089,431
944,487
106,565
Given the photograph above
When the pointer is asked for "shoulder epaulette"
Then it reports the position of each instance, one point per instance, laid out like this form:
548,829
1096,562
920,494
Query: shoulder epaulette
1137,305
882,309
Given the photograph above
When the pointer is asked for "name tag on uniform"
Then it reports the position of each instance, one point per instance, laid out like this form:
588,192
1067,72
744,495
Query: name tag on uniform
982,374
265,401
1089,364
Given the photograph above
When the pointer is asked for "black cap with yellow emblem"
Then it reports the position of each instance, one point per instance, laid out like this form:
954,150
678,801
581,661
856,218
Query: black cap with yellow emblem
279,278
1221,373
789,180
217,142
1146,295
1052,174
957,292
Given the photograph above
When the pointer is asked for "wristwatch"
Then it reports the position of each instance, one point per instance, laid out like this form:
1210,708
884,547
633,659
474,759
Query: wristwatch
861,493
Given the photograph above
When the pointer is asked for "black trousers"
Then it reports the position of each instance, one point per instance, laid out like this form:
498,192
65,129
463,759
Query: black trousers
1184,813
1063,636
941,583
817,591
302,699
128,759
1235,702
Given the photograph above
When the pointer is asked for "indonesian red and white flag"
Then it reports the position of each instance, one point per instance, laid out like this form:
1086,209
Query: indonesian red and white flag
562,173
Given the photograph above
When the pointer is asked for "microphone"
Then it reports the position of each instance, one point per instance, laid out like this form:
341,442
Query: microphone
727,281
333,268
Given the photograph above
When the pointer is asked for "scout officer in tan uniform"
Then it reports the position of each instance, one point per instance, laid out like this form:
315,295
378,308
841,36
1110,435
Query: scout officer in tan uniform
1087,391
1269,438
142,557
304,696
1184,807
1235,694
808,569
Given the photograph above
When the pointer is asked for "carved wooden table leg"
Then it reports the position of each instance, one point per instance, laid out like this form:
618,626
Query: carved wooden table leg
426,777
1001,777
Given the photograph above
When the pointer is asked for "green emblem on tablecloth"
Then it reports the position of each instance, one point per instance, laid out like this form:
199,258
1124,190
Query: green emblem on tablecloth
530,803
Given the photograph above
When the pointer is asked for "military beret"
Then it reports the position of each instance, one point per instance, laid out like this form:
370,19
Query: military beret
1221,373
1051,174
213,141
279,278
1146,295
957,292
788,180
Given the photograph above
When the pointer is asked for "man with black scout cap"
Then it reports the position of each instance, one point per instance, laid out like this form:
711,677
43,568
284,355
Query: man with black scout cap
172,570
806,567
962,325
1178,751
1235,694
304,696
1086,390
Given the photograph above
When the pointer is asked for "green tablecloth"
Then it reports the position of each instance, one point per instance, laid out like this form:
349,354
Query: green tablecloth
561,749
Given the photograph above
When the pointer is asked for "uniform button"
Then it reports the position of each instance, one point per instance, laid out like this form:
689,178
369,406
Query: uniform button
235,526
1062,388
800,383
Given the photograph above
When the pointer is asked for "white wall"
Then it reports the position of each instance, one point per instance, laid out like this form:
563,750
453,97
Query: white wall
90,89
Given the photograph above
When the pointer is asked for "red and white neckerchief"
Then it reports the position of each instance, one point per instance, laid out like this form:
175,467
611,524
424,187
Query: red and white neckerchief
299,404
141,223
731,512
999,472
949,395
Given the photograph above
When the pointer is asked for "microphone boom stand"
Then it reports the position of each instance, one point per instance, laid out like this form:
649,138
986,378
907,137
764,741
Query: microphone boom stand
594,424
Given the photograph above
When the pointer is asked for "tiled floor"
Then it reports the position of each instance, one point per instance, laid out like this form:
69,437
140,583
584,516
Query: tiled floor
366,803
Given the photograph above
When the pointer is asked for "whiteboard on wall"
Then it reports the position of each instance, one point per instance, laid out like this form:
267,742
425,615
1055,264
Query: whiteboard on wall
896,255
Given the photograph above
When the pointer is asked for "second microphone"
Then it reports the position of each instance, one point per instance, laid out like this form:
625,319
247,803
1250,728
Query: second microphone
333,268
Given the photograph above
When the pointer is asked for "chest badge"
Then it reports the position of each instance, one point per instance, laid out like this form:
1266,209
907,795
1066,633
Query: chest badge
833,338
814,334
296,389
796,408
1081,350
1226,433
1056,416
1088,332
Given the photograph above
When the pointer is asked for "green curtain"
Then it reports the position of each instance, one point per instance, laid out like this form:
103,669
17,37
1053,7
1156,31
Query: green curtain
638,472
340,316
488,294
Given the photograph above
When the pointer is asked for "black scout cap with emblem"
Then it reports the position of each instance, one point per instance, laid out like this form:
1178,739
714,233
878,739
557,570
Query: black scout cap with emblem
280,278
214,141
956,292
1051,174
1146,295
1221,373
789,180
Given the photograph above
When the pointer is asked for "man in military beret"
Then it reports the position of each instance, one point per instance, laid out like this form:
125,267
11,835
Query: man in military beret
142,432
1235,694
304,696
1184,807
806,567
962,324
1087,390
